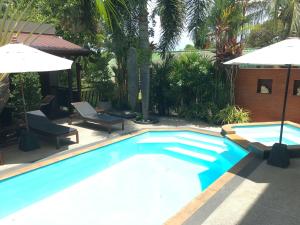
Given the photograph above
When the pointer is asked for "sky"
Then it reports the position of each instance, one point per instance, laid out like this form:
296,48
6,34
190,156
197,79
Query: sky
184,40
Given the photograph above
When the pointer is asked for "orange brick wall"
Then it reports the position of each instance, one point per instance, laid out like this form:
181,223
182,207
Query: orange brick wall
267,107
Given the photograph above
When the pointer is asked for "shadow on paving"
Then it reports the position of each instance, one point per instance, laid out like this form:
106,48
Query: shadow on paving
277,204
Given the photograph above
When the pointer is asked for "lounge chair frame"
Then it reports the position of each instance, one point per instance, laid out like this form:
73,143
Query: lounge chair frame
106,124
56,137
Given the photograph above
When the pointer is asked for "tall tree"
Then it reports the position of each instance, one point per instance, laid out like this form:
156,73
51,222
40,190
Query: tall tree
288,13
171,14
133,32
145,55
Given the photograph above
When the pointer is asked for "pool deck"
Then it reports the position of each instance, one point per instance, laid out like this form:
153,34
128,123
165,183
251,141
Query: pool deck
259,194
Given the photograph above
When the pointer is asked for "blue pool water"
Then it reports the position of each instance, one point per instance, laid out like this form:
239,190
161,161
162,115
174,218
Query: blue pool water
145,179
269,134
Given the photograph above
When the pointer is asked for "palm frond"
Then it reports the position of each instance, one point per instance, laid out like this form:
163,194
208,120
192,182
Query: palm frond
108,12
197,12
172,19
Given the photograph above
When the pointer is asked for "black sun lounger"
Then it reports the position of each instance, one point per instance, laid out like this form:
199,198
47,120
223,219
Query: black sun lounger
40,124
89,114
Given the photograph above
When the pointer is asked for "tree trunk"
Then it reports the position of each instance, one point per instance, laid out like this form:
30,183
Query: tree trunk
132,77
4,90
144,55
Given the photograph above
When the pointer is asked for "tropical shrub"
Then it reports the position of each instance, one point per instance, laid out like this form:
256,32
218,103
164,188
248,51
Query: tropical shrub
188,85
160,95
205,112
32,92
191,79
232,114
97,75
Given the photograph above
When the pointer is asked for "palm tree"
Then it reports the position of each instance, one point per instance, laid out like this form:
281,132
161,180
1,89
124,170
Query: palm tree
286,12
223,23
132,34
172,24
145,55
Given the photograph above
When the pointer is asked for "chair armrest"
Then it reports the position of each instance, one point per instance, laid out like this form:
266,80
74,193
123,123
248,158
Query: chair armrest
99,110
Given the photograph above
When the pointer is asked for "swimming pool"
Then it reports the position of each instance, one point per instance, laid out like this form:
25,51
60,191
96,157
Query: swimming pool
269,134
144,179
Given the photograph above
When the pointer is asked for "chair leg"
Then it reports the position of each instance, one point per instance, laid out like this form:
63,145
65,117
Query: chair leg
57,143
123,125
1,158
70,121
77,137
109,129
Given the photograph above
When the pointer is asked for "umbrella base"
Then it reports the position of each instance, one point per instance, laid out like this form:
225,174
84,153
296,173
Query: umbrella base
279,156
28,141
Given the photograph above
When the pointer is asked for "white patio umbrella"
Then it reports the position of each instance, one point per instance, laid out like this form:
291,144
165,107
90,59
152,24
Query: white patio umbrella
284,53
20,58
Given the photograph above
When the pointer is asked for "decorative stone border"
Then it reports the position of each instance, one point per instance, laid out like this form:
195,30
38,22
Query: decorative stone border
187,211
259,149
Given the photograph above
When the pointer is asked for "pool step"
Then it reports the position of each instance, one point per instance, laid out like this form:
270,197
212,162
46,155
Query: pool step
185,141
202,145
205,139
192,154
207,160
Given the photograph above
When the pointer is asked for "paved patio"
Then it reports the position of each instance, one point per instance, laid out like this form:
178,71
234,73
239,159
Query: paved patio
260,194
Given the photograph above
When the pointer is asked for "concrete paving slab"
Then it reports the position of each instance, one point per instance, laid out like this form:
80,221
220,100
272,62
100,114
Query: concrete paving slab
267,196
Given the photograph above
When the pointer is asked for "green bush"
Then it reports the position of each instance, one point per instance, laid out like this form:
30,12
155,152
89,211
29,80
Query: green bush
205,112
32,92
98,76
188,84
160,95
232,114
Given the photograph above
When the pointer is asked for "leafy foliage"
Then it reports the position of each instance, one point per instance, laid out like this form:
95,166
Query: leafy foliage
188,85
32,92
172,17
98,76
263,35
10,18
232,114
160,97
286,12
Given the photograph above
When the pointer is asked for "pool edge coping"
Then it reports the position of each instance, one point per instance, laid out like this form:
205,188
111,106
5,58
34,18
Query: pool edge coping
183,214
260,150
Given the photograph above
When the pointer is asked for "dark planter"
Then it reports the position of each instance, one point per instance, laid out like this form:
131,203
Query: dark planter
28,141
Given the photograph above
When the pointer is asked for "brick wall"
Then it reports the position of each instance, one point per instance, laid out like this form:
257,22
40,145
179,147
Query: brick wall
267,107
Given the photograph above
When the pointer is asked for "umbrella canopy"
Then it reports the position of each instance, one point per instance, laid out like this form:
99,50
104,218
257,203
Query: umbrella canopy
285,52
19,58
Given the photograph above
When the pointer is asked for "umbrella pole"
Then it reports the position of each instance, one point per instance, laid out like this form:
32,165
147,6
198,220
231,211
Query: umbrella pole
279,155
24,104
285,102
